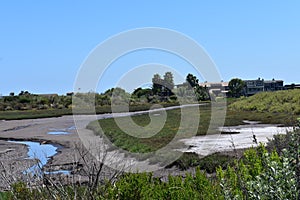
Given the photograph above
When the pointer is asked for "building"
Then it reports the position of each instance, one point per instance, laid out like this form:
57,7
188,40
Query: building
260,85
273,85
216,88
292,86
253,86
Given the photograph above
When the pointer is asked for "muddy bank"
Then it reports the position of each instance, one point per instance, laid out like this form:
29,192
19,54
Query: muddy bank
13,162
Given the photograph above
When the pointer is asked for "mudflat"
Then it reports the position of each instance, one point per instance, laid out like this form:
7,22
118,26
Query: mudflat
13,156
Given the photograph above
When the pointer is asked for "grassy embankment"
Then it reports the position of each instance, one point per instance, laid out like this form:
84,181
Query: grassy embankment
171,127
33,114
286,101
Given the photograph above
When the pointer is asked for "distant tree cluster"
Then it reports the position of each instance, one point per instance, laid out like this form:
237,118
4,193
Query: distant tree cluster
190,90
27,101
163,90
163,87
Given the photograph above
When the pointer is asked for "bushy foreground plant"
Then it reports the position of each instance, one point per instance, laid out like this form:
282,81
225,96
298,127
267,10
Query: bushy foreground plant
130,186
264,175
145,186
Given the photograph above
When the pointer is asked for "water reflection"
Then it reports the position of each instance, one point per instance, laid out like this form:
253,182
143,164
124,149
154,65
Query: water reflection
42,153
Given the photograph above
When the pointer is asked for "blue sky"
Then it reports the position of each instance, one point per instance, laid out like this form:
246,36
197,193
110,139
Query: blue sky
43,44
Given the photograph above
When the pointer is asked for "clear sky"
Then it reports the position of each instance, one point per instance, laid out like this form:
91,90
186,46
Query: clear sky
43,43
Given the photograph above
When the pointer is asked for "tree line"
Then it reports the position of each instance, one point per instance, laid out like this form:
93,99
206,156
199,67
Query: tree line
163,90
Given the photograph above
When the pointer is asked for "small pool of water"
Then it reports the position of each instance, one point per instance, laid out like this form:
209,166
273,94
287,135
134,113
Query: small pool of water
58,133
61,131
66,172
41,152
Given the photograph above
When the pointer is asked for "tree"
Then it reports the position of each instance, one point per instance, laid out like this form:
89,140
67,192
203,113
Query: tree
139,92
168,83
201,93
192,80
157,84
236,87
21,93
24,93
118,95
168,80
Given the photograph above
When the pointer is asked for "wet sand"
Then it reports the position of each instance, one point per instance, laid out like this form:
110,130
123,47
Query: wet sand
236,137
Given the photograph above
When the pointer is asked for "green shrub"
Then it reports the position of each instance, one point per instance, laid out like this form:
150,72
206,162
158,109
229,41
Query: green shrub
145,186
209,163
263,175
280,101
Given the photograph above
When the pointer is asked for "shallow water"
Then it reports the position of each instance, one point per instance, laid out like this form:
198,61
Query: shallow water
58,172
41,152
61,131
58,133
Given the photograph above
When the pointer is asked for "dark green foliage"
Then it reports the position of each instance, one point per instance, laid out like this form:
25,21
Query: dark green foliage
145,186
192,80
211,162
262,175
140,92
280,142
81,103
127,187
163,87
208,163
24,100
5,195
168,84
27,101
187,160
157,83
236,87
201,93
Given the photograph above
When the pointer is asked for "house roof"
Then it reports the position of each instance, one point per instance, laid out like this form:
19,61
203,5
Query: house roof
210,84
273,81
